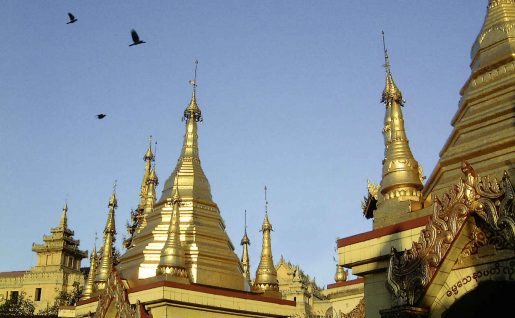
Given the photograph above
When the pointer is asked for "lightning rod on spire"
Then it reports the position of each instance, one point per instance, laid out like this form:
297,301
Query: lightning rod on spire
155,153
245,220
266,202
386,59
194,81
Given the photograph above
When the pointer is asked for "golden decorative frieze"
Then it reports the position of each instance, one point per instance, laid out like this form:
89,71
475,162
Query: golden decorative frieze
493,74
410,271
503,27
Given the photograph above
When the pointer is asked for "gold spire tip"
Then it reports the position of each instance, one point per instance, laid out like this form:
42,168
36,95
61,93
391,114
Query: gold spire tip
112,201
149,155
193,111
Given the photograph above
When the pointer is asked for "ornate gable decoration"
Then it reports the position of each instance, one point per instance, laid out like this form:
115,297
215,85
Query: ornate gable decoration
356,312
115,291
410,271
369,203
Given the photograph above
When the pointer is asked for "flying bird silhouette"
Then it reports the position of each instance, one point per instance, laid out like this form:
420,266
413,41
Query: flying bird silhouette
135,38
72,18
100,116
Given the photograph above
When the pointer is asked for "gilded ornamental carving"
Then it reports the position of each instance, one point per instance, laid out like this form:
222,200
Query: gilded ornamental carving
410,271
114,294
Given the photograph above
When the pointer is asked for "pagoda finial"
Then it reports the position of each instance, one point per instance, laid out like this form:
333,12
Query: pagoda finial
245,260
266,274
149,156
193,111
63,223
106,259
266,223
401,172
341,274
112,201
391,92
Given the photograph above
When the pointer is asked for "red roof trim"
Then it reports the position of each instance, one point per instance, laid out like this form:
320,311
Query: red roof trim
87,301
395,228
66,307
12,274
359,280
214,291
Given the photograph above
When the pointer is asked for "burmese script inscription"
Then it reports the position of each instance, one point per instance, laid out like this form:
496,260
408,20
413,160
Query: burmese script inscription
499,271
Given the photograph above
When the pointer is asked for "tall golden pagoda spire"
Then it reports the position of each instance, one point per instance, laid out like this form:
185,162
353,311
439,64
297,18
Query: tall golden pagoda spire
172,260
245,260
106,259
148,206
148,158
138,217
401,172
266,275
193,181
90,281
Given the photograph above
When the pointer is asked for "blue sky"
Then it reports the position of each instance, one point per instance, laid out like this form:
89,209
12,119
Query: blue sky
290,96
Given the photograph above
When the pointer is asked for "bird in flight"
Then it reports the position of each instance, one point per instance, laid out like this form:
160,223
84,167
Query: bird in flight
135,38
72,18
100,116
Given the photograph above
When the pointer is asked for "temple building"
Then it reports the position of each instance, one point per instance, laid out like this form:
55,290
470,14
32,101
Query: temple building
57,269
441,246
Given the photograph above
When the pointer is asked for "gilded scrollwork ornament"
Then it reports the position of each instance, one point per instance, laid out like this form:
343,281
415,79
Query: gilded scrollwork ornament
115,295
410,271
